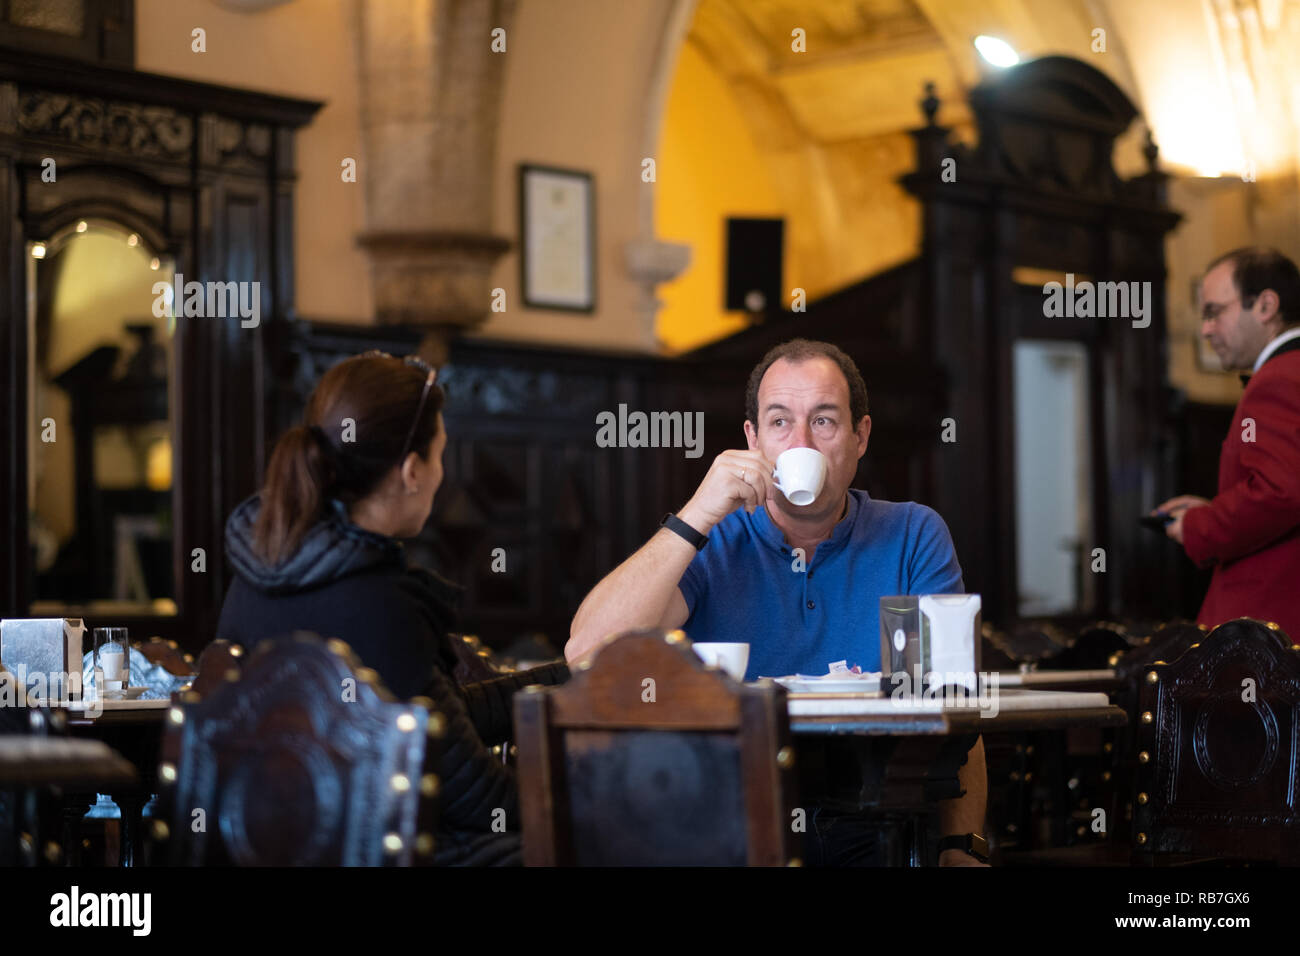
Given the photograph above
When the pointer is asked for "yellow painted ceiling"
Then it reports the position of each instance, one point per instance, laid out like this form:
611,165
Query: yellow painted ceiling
1216,79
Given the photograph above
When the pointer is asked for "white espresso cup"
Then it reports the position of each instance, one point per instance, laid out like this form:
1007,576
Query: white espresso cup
800,474
732,658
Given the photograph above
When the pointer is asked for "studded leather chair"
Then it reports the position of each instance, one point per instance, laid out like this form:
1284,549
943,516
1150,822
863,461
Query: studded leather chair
168,654
220,661
1216,750
303,759
648,758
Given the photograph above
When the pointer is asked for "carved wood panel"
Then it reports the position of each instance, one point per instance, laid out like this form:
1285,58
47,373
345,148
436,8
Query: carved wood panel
1218,741
200,173
1038,190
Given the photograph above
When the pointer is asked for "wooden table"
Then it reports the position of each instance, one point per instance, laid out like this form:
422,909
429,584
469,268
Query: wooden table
1101,680
29,762
134,728
32,765
894,760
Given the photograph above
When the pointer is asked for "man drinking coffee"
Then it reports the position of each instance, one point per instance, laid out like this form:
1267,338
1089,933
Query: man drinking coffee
801,583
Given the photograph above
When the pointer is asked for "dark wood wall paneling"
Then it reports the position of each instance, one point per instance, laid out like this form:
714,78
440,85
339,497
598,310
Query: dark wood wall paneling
1039,191
933,338
524,472
204,174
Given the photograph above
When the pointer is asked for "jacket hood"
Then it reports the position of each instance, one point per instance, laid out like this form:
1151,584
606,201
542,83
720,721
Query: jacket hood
332,548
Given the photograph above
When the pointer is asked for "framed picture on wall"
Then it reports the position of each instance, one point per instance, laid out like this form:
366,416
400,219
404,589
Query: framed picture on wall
557,227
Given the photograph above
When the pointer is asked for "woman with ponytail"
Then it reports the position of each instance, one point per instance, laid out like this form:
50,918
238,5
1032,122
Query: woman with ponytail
318,550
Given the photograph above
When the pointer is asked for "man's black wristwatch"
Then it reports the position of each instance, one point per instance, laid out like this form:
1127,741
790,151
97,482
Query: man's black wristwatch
677,525
972,843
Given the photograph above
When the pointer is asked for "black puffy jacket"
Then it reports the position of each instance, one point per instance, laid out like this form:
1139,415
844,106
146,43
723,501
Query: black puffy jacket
354,584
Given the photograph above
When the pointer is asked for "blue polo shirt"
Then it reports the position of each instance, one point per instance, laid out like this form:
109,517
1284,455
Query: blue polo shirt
743,586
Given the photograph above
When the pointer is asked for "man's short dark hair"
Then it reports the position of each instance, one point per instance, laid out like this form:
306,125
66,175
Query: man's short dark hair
801,350
1256,268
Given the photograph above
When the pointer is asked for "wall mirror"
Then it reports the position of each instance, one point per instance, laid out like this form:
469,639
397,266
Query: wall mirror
101,387
1053,464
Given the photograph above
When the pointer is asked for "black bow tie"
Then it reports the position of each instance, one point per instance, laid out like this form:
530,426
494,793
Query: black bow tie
1244,378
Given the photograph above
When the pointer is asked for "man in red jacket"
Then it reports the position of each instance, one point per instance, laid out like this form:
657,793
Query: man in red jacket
1250,532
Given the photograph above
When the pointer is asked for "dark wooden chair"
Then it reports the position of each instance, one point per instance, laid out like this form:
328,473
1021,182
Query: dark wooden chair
1043,785
1097,766
221,661
304,759
1102,780
1092,648
1077,767
646,757
1167,643
168,654
1218,738
474,662
995,652
1033,642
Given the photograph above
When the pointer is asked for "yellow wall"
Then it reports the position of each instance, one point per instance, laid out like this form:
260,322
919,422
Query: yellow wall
708,170
304,49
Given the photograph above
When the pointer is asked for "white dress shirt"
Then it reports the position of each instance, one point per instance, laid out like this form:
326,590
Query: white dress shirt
1272,347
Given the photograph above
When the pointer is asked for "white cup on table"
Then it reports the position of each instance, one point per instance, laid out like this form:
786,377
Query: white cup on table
732,658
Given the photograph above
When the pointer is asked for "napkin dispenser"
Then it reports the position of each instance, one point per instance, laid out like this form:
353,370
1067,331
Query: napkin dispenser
929,638
44,654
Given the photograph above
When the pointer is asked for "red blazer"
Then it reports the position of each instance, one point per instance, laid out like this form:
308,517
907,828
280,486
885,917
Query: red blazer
1250,532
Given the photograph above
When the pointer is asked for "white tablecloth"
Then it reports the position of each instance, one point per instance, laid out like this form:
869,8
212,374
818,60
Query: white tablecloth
830,705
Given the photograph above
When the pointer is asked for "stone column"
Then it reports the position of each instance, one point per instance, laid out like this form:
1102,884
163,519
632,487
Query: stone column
430,90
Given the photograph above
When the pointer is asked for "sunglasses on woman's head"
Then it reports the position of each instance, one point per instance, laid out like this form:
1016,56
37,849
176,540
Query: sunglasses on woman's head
432,373
412,360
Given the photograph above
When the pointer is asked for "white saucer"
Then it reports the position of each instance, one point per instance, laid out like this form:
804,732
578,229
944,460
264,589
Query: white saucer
128,693
829,685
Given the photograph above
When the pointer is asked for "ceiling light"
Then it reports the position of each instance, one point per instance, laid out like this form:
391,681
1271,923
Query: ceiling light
38,251
995,51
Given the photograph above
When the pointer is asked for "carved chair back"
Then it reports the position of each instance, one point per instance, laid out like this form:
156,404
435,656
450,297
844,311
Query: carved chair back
168,654
304,760
1218,745
647,757
220,661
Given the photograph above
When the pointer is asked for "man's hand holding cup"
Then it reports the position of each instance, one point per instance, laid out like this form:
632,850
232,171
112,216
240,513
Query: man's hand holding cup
747,479
737,478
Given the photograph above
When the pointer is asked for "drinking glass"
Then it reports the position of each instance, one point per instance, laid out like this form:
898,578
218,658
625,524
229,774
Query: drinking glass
112,661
